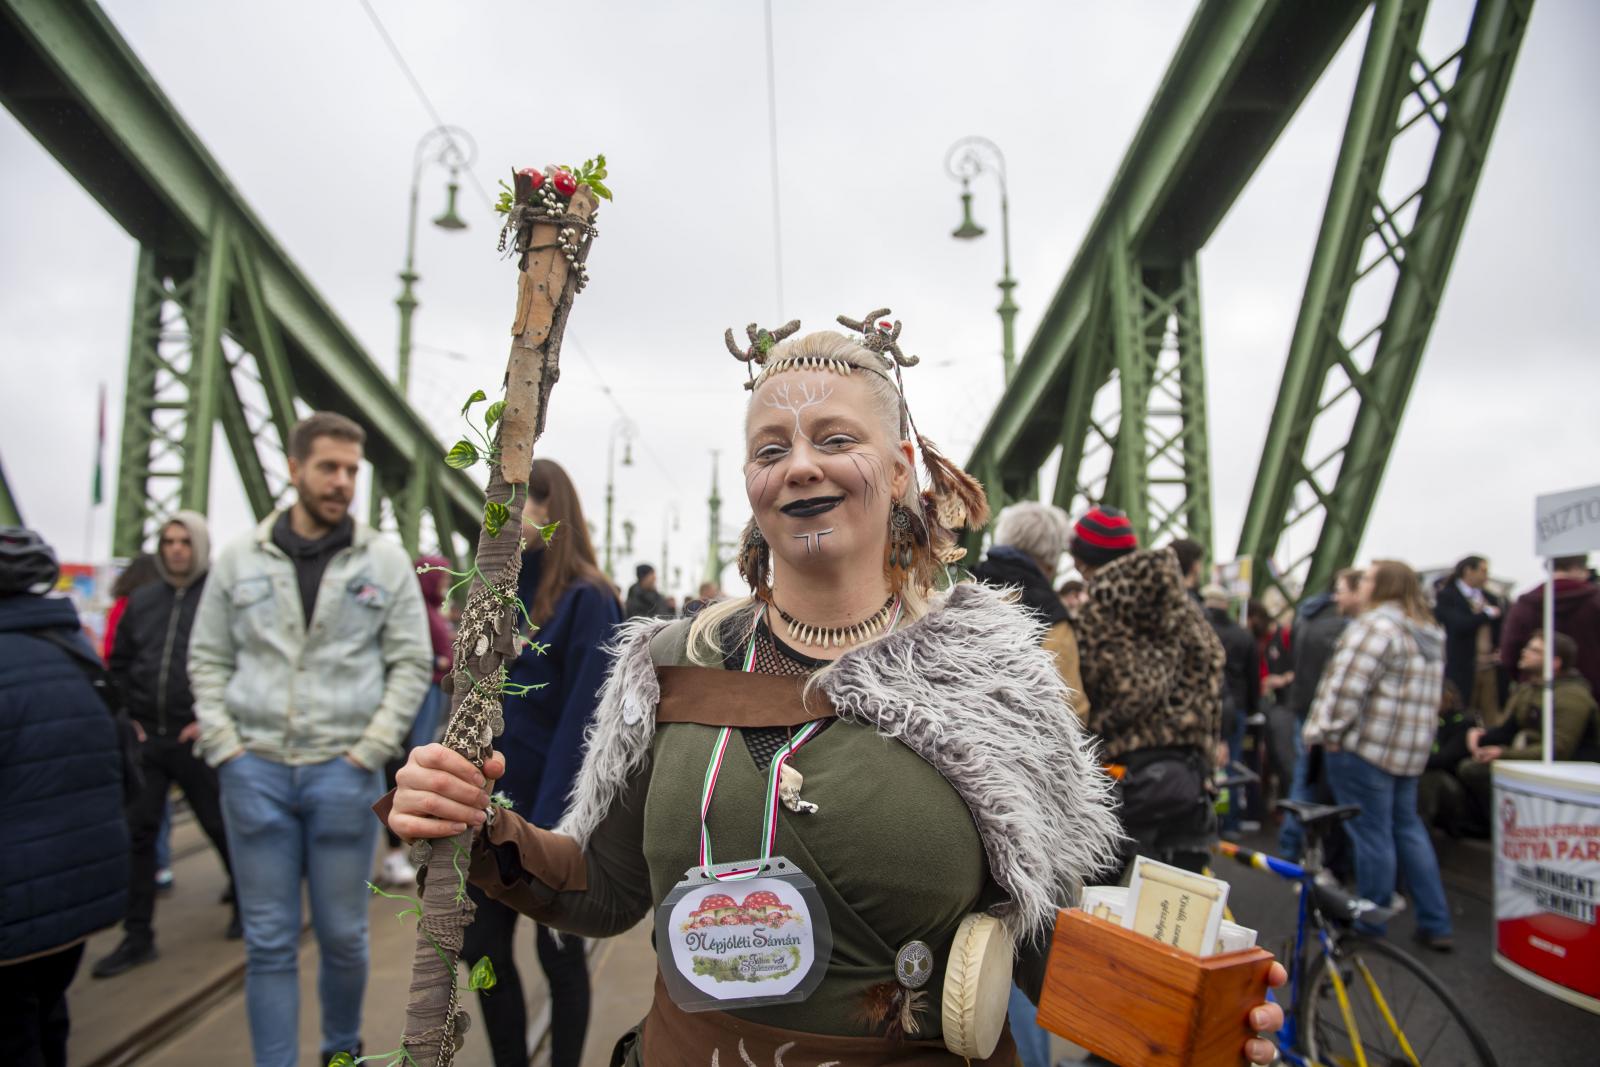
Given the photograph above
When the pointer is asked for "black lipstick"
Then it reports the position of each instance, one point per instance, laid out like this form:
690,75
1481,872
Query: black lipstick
817,505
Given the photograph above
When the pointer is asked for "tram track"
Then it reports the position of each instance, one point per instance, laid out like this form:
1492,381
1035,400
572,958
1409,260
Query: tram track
150,1038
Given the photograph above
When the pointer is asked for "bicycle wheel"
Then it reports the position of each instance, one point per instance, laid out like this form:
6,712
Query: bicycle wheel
1399,1014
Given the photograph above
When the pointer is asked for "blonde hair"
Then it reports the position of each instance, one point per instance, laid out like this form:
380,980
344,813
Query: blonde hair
827,351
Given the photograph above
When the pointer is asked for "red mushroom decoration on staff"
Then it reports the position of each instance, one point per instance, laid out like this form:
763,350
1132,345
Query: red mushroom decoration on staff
549,227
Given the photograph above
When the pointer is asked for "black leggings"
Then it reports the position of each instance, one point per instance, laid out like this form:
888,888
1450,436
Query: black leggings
505,1010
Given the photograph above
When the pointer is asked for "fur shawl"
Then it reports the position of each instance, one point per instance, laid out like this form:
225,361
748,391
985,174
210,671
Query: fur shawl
968,688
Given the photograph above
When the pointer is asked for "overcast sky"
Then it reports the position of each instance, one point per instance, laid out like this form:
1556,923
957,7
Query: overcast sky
314,123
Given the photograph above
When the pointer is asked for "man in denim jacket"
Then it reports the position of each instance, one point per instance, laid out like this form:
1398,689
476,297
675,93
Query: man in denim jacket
309,660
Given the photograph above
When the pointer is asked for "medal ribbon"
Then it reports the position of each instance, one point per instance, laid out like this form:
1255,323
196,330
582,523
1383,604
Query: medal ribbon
769,831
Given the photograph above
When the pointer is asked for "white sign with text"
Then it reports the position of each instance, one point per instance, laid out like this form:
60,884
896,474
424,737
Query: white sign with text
1567,524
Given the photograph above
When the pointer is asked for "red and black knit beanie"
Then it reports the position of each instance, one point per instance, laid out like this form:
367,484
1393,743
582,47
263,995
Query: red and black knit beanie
1104,534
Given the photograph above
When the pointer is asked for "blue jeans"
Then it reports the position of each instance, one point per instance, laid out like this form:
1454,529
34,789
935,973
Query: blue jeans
1389,830
286,824
164,839
426,724
1291,838
1033,1042
1236,793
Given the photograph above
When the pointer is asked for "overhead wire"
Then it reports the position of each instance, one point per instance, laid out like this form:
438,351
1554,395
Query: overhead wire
571,337
422,95
772,139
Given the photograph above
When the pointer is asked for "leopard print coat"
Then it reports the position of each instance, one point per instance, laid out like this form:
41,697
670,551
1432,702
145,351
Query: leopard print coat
1152,665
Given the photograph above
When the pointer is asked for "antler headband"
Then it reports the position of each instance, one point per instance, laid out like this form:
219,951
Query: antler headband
954,498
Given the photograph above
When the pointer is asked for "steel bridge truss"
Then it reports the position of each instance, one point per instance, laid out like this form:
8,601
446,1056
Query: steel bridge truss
227,333
1112,387
1377,277
1135,424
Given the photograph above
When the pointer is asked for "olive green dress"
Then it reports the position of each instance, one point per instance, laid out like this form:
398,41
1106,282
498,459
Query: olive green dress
892,848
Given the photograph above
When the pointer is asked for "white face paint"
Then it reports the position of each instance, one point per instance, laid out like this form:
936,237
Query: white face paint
819,472
813,541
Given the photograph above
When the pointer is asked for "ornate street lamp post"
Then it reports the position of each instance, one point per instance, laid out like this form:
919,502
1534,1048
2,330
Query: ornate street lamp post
624,429
669,525
968,158
447,146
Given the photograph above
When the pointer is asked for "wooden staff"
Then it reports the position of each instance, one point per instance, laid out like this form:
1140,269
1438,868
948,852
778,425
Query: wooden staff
553,235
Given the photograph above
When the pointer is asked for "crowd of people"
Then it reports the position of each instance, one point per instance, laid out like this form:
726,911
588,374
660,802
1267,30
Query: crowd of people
274,684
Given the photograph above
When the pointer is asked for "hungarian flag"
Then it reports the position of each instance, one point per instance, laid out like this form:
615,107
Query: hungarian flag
100,454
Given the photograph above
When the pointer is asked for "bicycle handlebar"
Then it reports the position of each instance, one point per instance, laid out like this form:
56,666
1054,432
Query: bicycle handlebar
1261,861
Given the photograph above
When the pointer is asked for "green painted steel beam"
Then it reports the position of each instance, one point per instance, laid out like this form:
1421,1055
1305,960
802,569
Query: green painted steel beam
207,368
266,345
1240,73
1494,39
1196,423
72,81
241,440
131,511
1125,480
1360,234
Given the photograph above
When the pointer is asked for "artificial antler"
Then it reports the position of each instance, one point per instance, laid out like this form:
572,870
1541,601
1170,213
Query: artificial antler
761,341
878,334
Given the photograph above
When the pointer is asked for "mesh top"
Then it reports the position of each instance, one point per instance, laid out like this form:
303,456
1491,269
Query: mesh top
774,657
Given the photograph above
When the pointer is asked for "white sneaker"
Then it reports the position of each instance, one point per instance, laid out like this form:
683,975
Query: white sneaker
1397,902
397,870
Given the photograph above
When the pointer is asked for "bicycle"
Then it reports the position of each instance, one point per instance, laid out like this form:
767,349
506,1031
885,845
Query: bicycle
1355,1000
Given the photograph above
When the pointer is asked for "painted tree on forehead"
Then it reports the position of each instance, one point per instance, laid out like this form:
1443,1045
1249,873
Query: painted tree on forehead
549,227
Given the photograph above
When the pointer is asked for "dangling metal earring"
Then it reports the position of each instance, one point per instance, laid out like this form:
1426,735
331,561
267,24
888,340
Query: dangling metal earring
755,560
902,543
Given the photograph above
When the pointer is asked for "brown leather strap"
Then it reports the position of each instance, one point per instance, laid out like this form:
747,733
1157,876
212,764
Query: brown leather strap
672,1037
715,697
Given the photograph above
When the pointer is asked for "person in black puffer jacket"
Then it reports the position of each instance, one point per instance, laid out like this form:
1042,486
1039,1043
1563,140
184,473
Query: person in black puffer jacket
65,874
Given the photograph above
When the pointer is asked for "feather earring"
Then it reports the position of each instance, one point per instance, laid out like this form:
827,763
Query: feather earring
755,561
959,497
900,556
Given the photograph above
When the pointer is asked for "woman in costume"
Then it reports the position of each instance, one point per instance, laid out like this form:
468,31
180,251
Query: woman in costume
576,611
852,801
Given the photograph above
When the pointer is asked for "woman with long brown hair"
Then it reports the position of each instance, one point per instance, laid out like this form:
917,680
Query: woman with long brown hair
549,703
1374,715
854,798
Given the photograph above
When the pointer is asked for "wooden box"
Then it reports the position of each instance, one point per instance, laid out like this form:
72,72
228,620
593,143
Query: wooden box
1140,1003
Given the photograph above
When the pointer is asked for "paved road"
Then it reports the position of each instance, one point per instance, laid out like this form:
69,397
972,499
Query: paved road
1524,1026
196,962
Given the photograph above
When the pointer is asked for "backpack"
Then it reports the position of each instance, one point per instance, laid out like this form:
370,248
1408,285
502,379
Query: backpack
99,679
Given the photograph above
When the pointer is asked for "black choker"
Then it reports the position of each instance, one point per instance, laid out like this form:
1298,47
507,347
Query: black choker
837,636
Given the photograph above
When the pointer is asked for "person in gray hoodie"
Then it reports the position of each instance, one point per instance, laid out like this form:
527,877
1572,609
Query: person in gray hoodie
150,669
1374,715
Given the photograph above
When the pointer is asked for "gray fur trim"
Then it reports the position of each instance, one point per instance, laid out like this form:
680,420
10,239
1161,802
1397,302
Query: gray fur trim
968,688
615,744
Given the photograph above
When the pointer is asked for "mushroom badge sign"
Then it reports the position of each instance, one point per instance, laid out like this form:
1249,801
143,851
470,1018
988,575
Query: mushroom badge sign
743,942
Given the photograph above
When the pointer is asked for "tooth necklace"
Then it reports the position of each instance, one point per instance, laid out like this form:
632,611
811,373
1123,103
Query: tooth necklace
881,621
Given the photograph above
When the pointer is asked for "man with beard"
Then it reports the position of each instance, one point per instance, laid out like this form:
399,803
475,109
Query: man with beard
149,665
309,660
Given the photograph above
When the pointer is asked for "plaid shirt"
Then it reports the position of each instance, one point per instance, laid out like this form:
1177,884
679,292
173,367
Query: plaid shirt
1379,698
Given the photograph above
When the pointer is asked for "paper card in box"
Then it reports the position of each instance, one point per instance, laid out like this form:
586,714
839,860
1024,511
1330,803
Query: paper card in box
1144,1004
